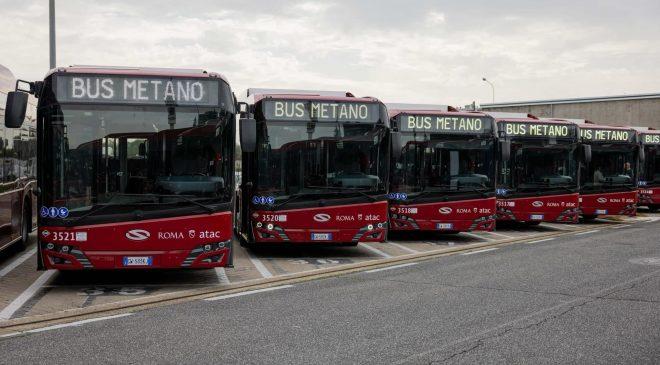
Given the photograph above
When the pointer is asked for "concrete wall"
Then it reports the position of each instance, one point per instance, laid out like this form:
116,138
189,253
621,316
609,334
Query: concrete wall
639,112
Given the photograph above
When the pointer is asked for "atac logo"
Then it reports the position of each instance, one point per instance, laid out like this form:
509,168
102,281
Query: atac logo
445,210
537,203
137,235
322,217
601,200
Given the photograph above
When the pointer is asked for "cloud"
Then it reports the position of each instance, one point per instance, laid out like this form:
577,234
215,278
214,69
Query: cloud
414,52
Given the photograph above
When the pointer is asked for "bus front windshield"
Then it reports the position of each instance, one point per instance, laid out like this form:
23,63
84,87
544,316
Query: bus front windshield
611,167
440,163
152,155
650,174
319,158
537,165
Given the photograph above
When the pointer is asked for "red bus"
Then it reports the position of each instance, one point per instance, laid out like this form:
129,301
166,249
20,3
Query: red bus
444,177
608,183
136,167
314,168
538,179
18,172
649,170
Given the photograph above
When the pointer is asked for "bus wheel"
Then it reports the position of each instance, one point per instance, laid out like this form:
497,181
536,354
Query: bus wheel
26,227
653,208
589,217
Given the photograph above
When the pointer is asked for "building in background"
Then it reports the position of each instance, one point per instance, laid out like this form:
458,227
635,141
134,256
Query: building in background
637,110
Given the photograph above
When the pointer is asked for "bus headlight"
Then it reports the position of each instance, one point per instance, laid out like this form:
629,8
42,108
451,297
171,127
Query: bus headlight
270,226
259,224
370,227
50,246
65,249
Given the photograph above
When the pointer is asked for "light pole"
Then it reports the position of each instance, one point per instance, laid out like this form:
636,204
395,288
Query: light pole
491,86
51,18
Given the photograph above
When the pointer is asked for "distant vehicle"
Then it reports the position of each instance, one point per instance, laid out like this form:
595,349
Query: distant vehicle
18,171
649,170
314,168
608,182
538,177
136,167
443,178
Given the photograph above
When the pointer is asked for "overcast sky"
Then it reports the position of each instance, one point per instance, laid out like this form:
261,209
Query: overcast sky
398,51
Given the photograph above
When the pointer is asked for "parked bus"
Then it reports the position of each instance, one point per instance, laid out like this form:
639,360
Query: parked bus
136,167
444,177
608,183
649,171
538,179
314,168
18,171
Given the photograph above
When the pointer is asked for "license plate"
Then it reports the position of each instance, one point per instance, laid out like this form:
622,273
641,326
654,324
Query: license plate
601,211
536,217
444,226
138,261
321,236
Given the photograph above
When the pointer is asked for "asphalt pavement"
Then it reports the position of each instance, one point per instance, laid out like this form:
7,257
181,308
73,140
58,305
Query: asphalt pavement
589,297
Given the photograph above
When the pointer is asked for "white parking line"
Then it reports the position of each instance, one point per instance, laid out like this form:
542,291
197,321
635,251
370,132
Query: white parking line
621,226
498,234
248,292
15,305
392,267
260,266
64,325
478,236
480,251
376,251
407,249
14,264
561,227
222,275
543,240
586,232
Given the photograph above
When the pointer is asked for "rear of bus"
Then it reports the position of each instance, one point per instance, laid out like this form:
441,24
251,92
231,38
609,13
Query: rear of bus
443,178
538,177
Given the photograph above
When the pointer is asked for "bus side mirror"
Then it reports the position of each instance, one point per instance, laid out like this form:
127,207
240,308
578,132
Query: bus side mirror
586,151
395,144
642,155
15,109
505,150
248,134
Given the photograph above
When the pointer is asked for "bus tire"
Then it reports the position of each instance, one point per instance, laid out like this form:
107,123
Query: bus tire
26,227
589,217
653,208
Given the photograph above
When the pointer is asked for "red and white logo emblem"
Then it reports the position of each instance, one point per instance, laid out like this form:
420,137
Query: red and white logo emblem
445,210
322,217
137,235
537,203
602,200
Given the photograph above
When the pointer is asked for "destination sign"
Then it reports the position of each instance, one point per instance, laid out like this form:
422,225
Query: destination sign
651,138
136,90
321,111
518,129
607,135
445,124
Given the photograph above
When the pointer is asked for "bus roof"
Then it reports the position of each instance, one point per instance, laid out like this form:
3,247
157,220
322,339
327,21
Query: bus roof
584,123
136,71
516,117
256,94
395,109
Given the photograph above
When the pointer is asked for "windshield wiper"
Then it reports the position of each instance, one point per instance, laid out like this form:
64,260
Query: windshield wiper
99,207
339,188
185,198
291,198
